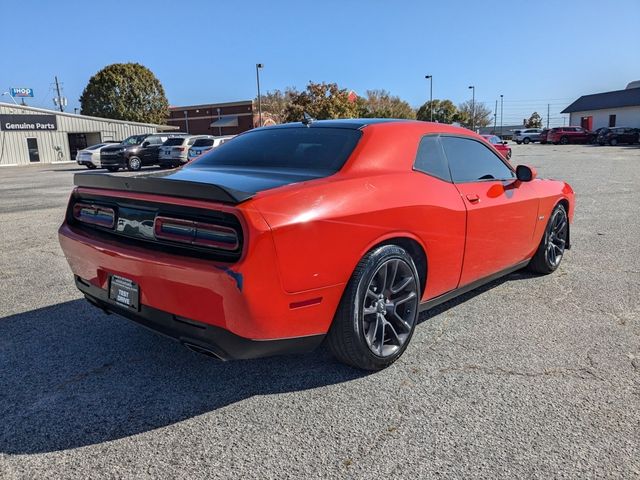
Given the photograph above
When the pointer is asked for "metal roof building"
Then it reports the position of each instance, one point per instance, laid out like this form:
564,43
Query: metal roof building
31,135
619,108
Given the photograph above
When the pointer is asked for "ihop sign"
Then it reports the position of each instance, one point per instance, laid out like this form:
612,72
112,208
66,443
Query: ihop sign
21,92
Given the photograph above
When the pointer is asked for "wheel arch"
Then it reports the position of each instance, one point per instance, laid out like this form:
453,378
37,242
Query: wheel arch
413,247
565,203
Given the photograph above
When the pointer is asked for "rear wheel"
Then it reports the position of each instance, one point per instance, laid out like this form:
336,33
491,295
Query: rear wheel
613,142
564,141
518,142
378,312
551,249
509,155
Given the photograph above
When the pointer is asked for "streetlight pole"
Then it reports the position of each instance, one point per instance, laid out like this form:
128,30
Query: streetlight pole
501,99
430,78
473,107
258,67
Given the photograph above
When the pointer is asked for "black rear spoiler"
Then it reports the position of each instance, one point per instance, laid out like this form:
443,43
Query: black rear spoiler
155,183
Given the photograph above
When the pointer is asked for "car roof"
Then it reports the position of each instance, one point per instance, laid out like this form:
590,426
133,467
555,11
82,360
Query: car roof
349,123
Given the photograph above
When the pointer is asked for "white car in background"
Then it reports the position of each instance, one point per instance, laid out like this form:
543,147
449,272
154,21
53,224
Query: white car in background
90,156
203,145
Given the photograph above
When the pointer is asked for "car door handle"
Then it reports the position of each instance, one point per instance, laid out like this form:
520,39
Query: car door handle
473,198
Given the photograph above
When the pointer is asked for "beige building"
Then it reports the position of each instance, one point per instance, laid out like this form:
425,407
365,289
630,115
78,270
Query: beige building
36,135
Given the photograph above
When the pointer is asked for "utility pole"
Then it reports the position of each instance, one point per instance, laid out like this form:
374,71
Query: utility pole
258,67
473,108
495,117
501,104
59,95
548,115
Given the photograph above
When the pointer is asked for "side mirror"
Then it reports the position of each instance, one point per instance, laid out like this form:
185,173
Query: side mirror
524,173
145,144
505,143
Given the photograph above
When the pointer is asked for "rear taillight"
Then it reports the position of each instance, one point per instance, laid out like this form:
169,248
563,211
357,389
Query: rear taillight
195,233
94,215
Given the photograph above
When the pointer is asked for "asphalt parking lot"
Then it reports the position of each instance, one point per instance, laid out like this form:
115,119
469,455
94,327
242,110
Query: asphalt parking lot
528,377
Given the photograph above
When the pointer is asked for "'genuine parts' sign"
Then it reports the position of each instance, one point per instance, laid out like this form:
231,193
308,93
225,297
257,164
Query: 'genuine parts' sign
16,123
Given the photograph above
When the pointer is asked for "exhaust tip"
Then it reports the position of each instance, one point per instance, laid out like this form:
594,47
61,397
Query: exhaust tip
203,350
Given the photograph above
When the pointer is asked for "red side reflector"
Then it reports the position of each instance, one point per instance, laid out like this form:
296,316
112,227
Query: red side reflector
305,303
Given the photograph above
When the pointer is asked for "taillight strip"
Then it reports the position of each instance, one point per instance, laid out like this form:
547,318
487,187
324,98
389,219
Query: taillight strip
94,215
195,233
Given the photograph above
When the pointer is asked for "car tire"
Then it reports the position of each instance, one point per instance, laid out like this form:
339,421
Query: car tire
519,143
134,164
113,169
613,142
373,306
526,140
552,246
636,139
509,155
91,166
564,141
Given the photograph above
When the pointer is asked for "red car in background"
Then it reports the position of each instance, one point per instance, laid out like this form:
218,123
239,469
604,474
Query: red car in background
565,135
337,230
499,145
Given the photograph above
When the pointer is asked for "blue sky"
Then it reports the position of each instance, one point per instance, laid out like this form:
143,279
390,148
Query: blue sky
533,53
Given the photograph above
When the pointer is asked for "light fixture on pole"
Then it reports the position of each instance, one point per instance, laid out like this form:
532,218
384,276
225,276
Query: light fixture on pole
473,107
258,67
430,78
7,93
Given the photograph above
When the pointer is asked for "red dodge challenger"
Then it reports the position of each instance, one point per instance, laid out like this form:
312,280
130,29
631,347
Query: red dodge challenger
341,230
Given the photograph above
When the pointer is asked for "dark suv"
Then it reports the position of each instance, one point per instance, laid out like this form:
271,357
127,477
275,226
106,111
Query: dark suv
134,152
616,135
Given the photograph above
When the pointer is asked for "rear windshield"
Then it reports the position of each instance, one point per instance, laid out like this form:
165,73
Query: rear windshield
174,141
203,142
301,148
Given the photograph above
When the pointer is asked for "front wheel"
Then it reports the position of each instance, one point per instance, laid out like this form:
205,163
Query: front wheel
134,164
613,142
564,141
113,169
509,155
378,312
526,140
551,249
90,166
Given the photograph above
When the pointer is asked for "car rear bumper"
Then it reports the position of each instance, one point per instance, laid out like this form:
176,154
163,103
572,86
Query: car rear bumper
201,337
245,299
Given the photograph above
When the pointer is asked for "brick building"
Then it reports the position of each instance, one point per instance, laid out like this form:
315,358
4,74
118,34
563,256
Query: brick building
214,118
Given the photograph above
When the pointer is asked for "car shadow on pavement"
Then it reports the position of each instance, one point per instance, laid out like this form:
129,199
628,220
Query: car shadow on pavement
71,376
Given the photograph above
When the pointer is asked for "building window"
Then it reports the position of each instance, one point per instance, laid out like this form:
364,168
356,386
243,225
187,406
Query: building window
612,121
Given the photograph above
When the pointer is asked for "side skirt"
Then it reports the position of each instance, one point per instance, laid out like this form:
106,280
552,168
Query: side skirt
445,297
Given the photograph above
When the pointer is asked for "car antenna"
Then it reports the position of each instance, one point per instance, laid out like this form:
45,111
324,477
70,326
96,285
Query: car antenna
307,119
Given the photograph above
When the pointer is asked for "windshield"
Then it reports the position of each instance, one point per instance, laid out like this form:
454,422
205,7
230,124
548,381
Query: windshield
134,140
300,148
494,140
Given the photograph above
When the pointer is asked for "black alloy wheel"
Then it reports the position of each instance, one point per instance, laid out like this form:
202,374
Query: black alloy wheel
554,241
378,312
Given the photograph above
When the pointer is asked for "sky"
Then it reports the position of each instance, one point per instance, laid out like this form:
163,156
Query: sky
533,53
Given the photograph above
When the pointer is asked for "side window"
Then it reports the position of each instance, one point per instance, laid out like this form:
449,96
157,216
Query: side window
471,161
430,158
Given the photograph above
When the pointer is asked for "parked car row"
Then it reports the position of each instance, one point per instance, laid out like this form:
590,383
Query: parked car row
168,150
572,134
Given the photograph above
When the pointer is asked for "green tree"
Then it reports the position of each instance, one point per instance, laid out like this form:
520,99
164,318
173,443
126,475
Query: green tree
125,91
483,114
321,101
444,111
276,102
535,121
381,104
